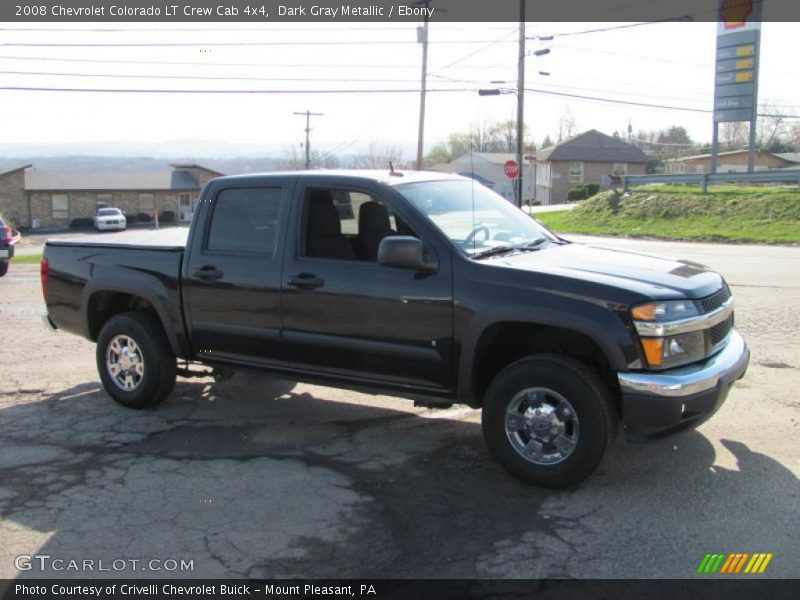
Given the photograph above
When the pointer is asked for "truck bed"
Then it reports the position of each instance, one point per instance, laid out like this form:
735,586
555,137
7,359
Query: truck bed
170,238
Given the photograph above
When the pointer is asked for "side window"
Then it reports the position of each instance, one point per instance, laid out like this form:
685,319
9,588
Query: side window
60,206
245,220
347,224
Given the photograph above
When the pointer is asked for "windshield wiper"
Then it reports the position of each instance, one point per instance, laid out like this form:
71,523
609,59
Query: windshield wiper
498,250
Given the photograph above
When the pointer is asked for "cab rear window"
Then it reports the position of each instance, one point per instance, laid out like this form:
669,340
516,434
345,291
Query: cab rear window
245,220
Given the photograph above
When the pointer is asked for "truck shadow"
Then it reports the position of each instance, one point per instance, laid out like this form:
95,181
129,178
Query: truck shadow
255,478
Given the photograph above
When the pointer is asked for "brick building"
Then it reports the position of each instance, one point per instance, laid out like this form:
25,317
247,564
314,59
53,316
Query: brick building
42,198
582,159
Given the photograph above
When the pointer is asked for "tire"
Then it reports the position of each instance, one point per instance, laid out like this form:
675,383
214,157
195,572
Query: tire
148,361
548,420
3,268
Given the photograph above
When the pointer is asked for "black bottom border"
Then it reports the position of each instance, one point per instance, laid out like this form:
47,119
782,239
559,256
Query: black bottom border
401,589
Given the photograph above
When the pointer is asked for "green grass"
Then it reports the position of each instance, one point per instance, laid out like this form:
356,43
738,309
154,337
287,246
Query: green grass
27,259
726,214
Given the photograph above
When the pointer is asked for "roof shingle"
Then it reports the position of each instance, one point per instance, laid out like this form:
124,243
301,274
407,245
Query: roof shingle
592,146
165,180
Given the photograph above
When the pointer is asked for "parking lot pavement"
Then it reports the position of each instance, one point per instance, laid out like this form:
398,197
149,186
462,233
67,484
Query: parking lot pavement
262,477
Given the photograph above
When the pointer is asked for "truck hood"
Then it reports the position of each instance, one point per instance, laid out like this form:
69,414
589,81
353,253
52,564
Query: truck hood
654,276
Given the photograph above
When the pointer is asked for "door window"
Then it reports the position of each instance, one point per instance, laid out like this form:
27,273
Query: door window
245,220
347,224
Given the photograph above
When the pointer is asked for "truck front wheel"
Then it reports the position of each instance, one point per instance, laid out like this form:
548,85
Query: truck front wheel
134,360
548,420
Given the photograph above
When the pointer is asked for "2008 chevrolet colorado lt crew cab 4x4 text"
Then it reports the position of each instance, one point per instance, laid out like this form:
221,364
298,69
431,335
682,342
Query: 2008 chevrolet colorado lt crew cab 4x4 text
423,284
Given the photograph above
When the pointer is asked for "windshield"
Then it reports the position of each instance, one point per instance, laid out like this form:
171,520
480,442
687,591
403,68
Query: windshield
472,216
108,212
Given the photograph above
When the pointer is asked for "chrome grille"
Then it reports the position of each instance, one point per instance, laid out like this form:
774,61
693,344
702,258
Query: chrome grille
715,300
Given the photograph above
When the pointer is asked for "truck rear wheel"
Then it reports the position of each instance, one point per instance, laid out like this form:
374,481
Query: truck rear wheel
3,268
548,420
134,360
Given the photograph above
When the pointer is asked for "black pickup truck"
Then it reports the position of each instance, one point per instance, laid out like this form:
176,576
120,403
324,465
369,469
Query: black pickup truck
425,285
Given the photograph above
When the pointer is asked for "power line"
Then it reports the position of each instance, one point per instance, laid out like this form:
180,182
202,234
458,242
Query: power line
224,44
359,91
501,39
682,19
206,91
230,64
205,77
319,79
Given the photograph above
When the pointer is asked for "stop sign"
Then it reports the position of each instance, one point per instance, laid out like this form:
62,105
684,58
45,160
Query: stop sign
511,169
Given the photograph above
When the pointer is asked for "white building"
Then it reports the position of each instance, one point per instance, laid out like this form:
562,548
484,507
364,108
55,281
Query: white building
487,168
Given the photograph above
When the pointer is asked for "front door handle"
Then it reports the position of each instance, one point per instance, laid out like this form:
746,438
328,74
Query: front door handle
306,281
207,273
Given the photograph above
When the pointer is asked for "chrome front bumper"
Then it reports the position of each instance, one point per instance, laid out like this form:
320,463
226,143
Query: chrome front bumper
659,404
729,364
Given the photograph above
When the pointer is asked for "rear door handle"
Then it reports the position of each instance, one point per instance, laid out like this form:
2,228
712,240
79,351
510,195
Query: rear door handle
306,281
207,273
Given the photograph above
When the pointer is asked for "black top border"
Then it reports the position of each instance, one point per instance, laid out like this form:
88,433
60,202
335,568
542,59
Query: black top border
380,11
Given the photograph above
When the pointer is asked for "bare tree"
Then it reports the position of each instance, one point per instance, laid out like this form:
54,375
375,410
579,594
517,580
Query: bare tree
734,135
291,160
794,137
566,124
772,131
378,156
323,160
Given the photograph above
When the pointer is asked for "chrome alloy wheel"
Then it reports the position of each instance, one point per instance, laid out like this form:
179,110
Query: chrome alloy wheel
542,426
125,362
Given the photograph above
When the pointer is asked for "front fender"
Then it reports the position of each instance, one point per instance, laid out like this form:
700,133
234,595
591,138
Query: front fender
601,325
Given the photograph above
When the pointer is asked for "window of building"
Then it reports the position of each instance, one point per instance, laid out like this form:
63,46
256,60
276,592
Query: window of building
245,221
620,169
146,203
576,172
60,206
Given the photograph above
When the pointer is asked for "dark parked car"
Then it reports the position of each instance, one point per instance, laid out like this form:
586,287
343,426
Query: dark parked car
433,287
8,238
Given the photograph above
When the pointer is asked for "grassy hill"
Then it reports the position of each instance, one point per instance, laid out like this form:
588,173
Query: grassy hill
738,214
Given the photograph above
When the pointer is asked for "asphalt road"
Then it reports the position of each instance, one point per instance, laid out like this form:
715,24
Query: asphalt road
261,477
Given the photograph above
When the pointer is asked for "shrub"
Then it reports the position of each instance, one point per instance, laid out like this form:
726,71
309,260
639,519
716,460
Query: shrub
81,223
592,189
130,218
578,193
167,216
143,217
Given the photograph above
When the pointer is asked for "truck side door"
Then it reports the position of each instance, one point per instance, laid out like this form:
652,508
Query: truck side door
232,272
346,315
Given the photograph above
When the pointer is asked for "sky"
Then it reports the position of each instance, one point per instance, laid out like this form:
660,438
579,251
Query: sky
668,64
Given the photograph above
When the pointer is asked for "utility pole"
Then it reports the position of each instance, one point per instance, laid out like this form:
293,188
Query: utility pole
308,114
422,37
521,100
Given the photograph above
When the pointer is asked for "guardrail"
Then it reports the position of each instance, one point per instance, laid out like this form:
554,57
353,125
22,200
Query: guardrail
704,179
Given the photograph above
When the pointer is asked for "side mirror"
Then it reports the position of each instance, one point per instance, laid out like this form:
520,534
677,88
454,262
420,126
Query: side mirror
405,252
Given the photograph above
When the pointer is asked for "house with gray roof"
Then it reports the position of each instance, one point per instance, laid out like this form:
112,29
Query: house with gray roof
583,159
35,198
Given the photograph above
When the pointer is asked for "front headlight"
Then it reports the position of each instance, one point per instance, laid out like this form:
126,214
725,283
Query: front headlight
663,351
671,310
673,351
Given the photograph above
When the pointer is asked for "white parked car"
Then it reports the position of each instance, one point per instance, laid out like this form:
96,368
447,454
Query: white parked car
109,218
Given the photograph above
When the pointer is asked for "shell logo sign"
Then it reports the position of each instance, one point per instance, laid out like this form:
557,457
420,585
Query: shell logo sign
733,13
